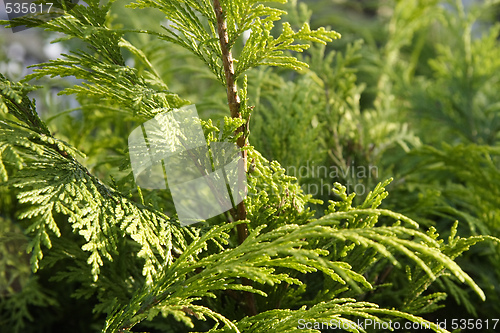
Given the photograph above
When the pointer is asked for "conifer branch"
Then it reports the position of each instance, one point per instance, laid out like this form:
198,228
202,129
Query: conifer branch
234,103
227,59
138,264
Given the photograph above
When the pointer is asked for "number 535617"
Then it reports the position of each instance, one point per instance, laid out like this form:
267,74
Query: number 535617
26,7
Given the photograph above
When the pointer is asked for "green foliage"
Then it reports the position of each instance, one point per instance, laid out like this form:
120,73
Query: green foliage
91,232
199,36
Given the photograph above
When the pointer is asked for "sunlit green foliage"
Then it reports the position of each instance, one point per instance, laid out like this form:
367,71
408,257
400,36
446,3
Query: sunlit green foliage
91,233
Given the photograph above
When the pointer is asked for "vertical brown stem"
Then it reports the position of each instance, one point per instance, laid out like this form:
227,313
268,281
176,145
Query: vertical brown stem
234,107
227,59
233,100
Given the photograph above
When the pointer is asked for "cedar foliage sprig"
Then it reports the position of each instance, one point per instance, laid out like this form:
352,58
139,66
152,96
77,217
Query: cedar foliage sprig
184,272
51,180
193,25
